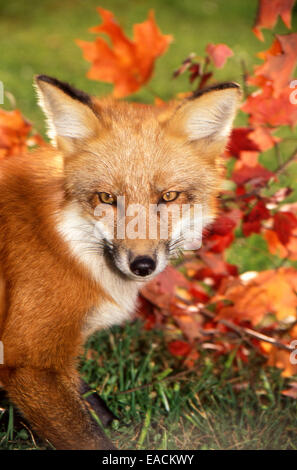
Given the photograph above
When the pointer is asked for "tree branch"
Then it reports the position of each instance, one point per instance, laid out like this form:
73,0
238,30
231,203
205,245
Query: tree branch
242,331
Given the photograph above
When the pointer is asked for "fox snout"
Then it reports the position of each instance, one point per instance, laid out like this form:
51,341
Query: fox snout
139,262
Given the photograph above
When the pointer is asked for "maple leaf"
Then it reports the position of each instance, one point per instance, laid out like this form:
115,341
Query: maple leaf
188,321
219,53
248,169
281,359
263,138
220,234
218,243
283,225
274,245
223,225
280,63
216,267
198,294
268,12
252,221
15,134
267,292
277,248
179,348
128,64
282,239
265,108
240,140
161,290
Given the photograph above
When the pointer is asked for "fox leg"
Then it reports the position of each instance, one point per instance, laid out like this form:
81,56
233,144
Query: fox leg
51,403
97,404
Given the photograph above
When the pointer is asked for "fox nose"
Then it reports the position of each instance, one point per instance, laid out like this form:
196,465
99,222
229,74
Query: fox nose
142,266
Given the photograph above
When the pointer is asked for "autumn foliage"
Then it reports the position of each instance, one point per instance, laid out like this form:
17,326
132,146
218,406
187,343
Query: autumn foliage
204,302
127,64
15,134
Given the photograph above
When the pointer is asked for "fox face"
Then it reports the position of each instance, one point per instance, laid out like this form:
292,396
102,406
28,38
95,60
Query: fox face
137,177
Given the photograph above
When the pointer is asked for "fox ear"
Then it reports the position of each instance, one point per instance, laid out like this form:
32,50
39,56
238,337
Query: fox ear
68,111
208,114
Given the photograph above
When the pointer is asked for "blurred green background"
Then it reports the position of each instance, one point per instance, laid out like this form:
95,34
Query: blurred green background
39,37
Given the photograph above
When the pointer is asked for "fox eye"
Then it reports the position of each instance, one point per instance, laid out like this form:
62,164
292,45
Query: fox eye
169,196
106,198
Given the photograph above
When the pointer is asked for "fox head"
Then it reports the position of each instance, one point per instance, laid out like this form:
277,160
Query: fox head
119,156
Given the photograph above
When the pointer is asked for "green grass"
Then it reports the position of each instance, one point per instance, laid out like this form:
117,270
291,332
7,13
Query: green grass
221,404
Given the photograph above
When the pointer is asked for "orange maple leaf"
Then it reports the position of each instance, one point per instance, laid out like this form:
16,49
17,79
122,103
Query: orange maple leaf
268,292
268,12
263,138
127,64
277,248
15,134
274,245
279,358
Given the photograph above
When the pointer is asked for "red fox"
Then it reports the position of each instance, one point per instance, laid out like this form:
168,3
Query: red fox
59,280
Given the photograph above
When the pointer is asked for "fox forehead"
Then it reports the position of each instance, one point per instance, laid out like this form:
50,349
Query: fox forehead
134,152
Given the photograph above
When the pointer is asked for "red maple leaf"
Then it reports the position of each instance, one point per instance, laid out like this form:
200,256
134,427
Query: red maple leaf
252,221
161,290
268,12
247,168
264,108
220,234
240,140
223,225
283,225
179,348
280,63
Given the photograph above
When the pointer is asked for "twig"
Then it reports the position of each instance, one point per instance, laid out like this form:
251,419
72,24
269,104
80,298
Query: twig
240,329
278,155
30,432
284,165
247,331
244,78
